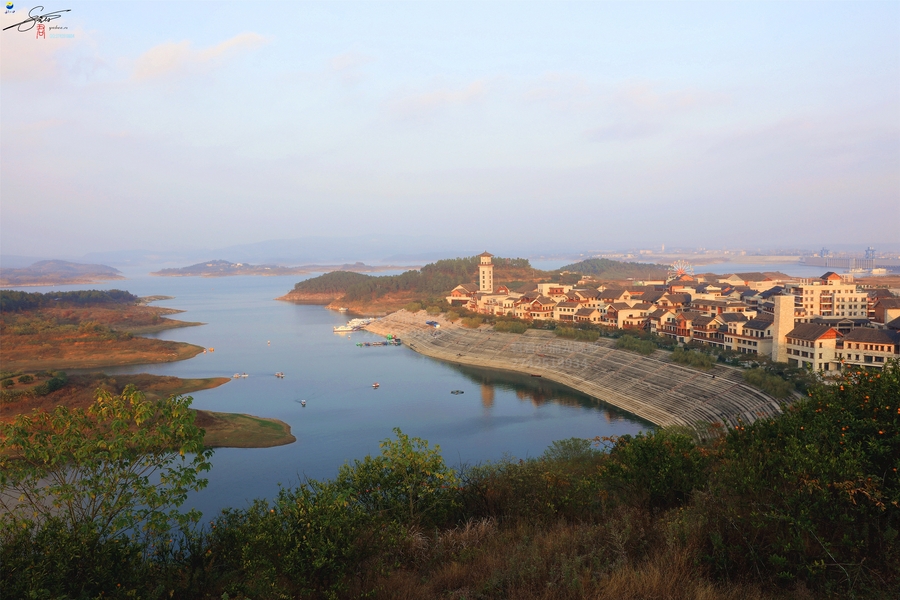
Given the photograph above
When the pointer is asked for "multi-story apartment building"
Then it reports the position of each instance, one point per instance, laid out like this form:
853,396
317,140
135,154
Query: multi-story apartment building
830,296
868,347
813,347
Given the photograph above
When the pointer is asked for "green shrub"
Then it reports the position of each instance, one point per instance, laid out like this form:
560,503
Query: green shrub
585,335
8,383
26,379
572,449
433,310
57,561
814,494
771,384
693,358
452,316
413,307
630,342
656,470
510,327
472,322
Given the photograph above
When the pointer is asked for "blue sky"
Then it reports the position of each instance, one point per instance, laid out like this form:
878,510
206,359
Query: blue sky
601,124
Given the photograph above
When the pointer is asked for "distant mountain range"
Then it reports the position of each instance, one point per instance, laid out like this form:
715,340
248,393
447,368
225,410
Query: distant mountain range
58,272
224,268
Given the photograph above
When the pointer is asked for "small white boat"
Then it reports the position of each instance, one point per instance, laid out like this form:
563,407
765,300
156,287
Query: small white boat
236,376
244,375
376,385
279,374
303,403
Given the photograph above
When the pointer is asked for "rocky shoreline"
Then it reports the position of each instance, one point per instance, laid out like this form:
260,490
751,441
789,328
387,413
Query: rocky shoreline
650,387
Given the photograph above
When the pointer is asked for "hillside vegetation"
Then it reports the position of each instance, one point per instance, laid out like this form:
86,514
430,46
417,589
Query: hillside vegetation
433,280
386,293
83,329
603,268
804,505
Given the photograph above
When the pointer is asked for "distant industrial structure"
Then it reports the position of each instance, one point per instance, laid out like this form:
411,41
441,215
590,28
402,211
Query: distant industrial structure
827,259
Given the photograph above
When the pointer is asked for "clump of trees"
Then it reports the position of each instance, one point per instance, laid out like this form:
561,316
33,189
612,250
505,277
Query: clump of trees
15,301
775,386
700,360
472,322
585,335
511,326
635,344
603,268
434,279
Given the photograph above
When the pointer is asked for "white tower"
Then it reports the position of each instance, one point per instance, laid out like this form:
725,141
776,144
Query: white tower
485,273
784,323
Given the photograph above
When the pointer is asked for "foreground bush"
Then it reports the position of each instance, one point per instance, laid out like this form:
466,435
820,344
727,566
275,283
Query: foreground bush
814,494
804,505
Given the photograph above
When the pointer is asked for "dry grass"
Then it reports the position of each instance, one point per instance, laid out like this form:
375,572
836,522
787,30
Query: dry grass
624,558
231,430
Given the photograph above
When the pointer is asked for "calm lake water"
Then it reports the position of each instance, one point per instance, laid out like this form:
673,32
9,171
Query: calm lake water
499,414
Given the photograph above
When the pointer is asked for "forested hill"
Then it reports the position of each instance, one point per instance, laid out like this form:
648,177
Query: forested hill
603,268
54,272
13,301
434,279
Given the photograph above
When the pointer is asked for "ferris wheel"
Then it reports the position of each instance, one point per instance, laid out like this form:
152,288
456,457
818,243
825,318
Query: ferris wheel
679,268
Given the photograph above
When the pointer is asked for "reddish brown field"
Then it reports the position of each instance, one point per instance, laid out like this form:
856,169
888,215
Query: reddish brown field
82,338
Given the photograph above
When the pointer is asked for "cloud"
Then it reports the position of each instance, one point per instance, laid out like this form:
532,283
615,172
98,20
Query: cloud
619,132
422,105
647,97
181,57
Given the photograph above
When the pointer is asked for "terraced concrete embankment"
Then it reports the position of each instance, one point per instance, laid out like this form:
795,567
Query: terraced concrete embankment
650,387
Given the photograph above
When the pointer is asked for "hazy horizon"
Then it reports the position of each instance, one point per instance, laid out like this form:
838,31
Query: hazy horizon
419,128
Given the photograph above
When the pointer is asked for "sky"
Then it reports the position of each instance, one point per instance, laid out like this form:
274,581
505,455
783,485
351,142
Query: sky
185,125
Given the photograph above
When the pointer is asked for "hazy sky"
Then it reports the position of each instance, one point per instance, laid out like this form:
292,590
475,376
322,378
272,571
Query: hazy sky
185,125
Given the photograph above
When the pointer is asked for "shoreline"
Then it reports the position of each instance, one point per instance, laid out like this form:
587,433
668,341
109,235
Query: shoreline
7,284
652,388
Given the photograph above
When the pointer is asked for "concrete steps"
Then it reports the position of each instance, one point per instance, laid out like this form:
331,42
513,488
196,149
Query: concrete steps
652,388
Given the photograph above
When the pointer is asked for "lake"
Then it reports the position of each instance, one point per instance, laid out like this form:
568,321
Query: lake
499,414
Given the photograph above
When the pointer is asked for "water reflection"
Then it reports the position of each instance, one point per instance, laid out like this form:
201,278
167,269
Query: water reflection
538,392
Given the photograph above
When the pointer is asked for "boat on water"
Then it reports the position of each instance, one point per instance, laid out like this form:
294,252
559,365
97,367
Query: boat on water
352,325
244,375
376,385
236,376
343,309
279,374
303,403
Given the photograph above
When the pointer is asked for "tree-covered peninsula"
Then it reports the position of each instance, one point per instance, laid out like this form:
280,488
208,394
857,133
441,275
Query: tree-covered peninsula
387,293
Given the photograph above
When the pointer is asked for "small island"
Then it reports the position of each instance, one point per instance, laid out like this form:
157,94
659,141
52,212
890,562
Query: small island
58,272
224,268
